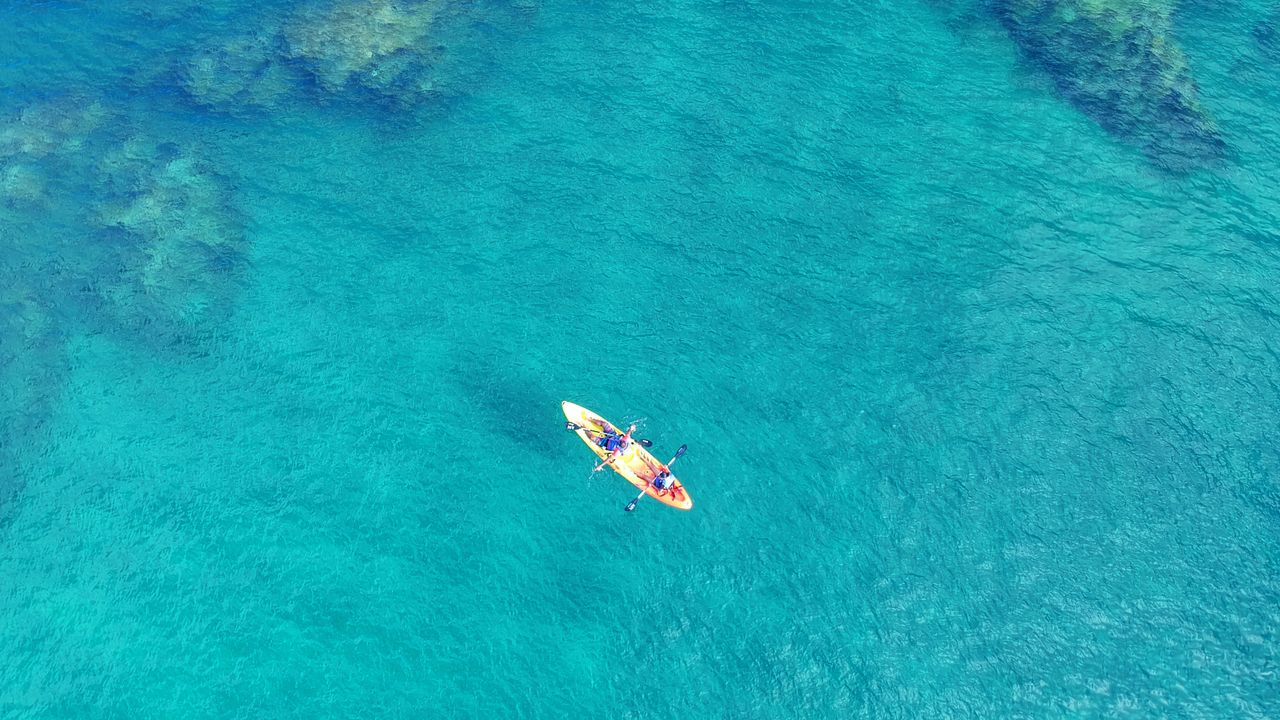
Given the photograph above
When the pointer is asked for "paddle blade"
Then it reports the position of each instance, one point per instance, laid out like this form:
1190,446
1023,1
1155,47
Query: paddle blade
644,442
632,505
680,451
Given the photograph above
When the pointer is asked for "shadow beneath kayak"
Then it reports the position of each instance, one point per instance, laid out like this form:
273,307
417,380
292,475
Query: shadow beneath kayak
511,397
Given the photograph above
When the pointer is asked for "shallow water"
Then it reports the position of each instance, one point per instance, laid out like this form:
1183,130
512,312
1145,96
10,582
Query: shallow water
980,401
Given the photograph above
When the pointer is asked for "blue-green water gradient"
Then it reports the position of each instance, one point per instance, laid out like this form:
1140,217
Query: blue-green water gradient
981,406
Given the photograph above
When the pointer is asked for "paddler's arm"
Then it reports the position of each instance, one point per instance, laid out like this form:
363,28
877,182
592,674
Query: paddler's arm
613,456
607,460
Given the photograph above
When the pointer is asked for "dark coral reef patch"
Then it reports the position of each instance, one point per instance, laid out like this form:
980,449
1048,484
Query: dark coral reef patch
381,51
108,230
239,72
380,47
1117,61
177,238
137,232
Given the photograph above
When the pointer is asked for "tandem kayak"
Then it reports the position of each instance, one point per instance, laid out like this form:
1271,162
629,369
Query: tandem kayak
637,465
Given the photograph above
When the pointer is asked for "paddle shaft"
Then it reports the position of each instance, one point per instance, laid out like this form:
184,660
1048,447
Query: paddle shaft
632,505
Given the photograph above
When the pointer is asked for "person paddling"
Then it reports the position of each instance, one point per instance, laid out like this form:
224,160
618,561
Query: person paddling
662,480
615,443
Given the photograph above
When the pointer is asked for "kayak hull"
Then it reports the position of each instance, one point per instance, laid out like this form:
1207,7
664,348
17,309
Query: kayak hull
637,465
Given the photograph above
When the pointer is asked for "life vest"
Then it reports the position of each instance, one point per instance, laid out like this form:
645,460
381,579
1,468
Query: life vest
611,441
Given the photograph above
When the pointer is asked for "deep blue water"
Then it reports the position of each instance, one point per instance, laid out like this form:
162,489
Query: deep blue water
978,373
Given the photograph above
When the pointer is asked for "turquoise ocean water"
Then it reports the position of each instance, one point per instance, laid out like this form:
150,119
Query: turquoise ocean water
980,390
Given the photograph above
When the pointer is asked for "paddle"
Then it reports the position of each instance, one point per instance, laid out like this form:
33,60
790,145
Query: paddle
570,425
632,505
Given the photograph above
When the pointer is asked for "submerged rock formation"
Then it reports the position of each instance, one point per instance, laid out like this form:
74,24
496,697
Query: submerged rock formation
141,227
383,51
1115,60
177,236
381,47
239,72
44,128
111,231
43,147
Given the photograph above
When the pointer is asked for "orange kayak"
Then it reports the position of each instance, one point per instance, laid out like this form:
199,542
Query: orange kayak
637,464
